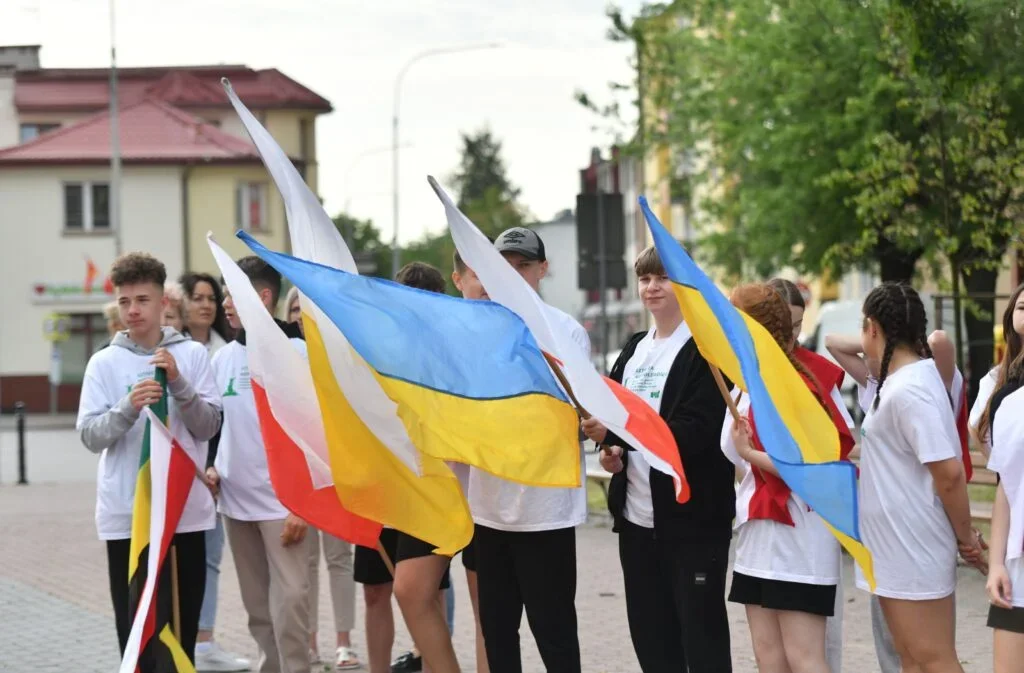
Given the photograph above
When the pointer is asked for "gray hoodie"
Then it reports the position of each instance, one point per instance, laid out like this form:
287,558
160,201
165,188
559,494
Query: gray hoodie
201,417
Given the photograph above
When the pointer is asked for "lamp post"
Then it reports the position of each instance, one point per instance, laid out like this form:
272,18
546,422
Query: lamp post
395,252
348,173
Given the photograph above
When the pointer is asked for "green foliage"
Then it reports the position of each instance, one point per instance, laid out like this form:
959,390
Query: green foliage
485,195
832,134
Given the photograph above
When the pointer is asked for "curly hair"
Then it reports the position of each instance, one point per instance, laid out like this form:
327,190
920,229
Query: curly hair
1011,369
899,312
765,305
133,268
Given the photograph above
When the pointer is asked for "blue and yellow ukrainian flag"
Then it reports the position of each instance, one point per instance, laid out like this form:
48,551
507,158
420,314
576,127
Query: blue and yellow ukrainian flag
796,431
470,381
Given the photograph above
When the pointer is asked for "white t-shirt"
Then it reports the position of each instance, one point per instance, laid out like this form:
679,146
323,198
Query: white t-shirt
246,493
902,521
986,387
109,377
505,505
1008,460
866,393
805,552
645,374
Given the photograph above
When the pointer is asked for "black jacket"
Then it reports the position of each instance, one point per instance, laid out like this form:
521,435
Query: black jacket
694,410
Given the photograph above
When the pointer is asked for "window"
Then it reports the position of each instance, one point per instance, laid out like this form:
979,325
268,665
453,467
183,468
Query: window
251,207
86,206
31,131
88,332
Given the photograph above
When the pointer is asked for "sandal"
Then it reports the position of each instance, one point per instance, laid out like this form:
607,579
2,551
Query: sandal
347,659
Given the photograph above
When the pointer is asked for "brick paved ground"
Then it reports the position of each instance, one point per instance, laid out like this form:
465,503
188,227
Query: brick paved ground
55,613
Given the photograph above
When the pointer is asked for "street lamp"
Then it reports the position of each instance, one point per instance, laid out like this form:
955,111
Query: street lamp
348,174
395,252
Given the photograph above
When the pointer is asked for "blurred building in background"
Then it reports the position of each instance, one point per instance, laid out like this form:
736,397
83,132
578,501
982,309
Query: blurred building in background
188,168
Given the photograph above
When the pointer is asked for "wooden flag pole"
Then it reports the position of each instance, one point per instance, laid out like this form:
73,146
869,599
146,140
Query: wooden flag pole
722,388
387,559
175,605
553,363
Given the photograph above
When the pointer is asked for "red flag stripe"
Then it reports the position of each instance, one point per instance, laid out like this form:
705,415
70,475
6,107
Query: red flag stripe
293,485
647,426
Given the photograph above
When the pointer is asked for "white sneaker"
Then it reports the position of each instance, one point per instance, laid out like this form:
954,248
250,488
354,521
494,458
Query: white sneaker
210,658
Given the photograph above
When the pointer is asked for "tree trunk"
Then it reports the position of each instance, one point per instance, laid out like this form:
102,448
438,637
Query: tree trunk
895,264
980,344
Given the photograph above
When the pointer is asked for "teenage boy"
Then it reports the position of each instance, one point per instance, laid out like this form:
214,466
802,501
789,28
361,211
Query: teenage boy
267,541
119,382
421,576
525,539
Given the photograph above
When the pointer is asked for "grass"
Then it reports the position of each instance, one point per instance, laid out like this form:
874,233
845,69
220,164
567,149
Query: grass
981,493
596,502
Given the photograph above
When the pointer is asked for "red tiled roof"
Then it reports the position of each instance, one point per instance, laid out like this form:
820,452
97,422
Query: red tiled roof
53,89
151,131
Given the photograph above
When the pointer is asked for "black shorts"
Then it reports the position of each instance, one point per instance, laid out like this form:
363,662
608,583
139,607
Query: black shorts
368,567
1011,620
469,556
815,599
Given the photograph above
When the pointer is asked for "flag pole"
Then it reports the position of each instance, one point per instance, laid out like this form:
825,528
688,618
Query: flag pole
386,559
553,363
722,388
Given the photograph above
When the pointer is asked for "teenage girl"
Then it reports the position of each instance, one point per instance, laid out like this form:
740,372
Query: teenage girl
787,562
1002,422
830,377
915,513
1013,333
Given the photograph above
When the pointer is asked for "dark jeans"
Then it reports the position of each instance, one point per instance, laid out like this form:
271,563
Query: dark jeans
675,602
535,570
191,552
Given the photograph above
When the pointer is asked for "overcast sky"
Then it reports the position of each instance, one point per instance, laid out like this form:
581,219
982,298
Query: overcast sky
350,51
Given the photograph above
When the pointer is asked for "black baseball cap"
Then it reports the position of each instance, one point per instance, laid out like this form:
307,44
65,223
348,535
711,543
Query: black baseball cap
522,240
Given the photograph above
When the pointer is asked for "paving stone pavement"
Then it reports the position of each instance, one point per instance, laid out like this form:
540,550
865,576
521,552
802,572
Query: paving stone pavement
55,613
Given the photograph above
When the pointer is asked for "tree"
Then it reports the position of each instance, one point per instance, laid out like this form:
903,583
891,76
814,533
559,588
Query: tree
485,193
364,240
829,135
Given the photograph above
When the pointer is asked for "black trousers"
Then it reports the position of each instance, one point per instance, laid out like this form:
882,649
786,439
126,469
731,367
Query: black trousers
675,602
535,570
191,552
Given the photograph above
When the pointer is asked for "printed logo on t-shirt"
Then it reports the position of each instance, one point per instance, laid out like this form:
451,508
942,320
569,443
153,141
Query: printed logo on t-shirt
238,383
648,381
230,391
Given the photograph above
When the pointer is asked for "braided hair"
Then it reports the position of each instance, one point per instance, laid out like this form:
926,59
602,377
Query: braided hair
899,312
765,305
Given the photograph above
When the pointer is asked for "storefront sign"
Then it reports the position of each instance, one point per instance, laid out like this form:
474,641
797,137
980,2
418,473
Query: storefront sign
85,292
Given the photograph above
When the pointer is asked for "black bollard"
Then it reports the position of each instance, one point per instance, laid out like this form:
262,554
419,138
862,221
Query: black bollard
19,412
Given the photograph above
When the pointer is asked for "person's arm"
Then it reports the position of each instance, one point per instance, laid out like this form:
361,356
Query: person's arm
740,435
929,429
847,352
944,355
699,410
101,424
199,404
1000,590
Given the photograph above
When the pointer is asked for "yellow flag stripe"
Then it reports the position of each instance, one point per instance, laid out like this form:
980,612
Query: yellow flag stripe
140,518
542,425
372,482
182,664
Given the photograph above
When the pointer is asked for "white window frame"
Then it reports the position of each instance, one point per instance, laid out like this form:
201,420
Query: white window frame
242,198
87,219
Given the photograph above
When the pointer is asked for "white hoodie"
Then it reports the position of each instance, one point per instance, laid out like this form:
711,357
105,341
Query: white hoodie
108,423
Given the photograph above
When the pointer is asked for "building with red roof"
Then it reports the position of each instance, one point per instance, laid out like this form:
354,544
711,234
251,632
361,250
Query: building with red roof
188,168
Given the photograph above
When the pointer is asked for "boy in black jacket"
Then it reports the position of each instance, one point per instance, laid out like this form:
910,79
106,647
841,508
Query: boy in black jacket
674,556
